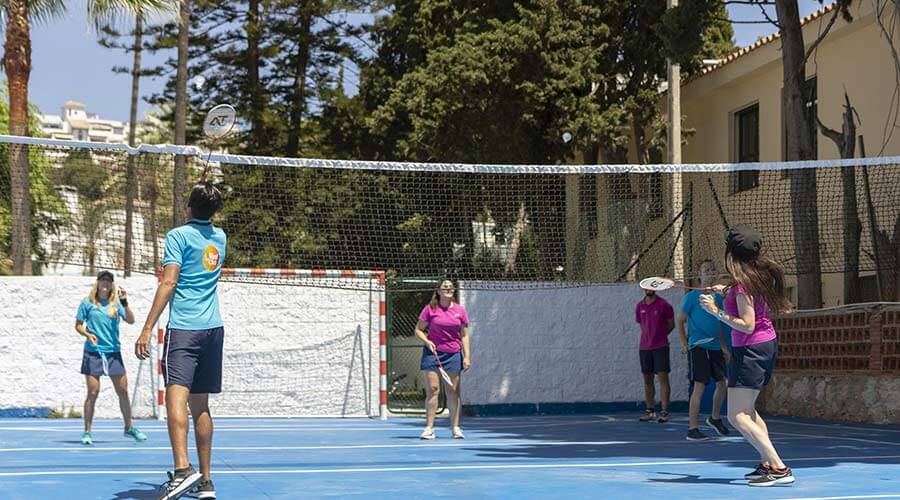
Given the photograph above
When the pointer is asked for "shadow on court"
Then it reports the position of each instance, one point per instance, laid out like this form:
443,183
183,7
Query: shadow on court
802,443
148,492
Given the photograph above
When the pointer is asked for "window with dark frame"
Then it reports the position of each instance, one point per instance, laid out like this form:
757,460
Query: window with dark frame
747,132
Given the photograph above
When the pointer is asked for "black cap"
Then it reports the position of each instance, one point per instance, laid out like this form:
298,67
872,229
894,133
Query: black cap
743,241
105,274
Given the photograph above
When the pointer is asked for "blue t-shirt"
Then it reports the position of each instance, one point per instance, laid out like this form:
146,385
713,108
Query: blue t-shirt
198,248
700,324
98,322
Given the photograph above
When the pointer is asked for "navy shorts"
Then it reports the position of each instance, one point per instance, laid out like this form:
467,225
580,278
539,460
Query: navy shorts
752,365
655,361
193,359
452,361
96,364
704,364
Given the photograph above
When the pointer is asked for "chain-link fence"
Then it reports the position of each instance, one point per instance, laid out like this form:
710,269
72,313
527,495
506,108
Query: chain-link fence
405,299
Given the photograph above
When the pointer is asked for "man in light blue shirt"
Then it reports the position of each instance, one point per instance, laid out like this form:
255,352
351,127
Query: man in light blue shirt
707,350
192,357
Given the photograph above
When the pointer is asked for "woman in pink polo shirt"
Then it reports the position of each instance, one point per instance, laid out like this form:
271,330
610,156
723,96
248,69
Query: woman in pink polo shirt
447,338
757,291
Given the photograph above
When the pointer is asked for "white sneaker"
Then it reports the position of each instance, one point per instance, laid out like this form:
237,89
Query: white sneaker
428,433
458,433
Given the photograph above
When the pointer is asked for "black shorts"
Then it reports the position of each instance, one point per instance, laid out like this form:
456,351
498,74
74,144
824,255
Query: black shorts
655,361
752,365
193,359
704,364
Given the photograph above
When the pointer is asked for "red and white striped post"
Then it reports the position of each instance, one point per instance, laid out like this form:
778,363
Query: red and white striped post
160,380
382,349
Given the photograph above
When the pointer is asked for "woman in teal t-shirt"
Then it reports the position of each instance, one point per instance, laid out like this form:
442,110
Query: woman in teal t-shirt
97,320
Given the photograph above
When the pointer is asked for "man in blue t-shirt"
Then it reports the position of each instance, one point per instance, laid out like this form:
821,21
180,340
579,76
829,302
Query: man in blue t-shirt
192,357
707,350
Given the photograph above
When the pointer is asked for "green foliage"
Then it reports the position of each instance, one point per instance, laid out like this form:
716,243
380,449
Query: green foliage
81,172
695,30
48,210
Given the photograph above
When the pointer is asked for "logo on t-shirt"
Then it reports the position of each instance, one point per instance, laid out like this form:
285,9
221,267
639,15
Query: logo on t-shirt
211,258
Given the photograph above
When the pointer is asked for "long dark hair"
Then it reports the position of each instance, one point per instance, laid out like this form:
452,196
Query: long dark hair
762,278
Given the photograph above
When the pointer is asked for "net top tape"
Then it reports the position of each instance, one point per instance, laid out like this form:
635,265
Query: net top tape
451,167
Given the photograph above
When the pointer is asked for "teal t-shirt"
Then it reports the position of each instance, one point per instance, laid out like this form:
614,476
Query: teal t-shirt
97,321
198,248
702,325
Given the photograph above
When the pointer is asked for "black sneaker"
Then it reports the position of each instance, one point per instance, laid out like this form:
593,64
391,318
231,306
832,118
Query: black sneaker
648,416
774,477
696,435
179,483
204,490
718,426
760,471
663,417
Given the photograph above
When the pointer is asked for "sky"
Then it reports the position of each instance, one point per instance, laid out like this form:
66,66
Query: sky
68,63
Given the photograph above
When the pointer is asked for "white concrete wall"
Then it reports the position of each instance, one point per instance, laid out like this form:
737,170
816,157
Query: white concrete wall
556,345
289,349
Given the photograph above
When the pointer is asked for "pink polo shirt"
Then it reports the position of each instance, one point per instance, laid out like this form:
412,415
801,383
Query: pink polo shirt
445,325
654,320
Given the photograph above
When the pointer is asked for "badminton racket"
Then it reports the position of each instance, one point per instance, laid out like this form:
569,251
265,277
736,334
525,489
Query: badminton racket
444,374
658,284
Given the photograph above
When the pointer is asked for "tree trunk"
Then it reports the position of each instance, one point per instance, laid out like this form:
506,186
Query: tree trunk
258,134
153,194
845,140
130,173
804,206
179,208
298,99
518,231
17,64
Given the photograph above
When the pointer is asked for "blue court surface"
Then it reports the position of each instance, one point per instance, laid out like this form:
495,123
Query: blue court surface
579,456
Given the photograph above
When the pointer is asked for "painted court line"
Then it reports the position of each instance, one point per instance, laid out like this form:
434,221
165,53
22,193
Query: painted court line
841,438
153,429
425,468
854,497
472,444
834,427
218,429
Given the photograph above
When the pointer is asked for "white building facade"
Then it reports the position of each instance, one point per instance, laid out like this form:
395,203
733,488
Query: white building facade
77,124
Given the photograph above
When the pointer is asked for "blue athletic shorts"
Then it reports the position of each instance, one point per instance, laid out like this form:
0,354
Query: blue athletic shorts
452,361
96,364
193,359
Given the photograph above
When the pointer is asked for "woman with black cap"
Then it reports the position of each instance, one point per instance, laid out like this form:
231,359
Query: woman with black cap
757,290
97,321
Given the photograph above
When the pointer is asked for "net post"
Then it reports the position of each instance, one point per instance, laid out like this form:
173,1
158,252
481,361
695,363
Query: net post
382,348
160,408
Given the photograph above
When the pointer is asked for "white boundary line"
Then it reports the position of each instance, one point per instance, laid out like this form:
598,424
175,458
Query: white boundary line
318,427
853,497
835,426
429,468
476,444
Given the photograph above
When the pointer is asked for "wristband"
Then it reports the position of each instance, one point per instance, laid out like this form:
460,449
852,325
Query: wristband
124,302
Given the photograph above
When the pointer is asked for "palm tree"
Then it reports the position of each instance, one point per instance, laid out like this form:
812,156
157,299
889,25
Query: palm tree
17,64
180,173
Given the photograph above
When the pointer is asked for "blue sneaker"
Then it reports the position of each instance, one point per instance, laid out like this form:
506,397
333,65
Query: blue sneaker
135,433
86,439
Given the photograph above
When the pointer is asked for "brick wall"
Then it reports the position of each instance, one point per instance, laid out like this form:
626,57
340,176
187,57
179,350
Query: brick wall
837,366
864,341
